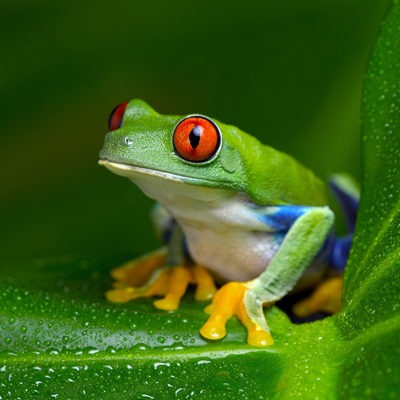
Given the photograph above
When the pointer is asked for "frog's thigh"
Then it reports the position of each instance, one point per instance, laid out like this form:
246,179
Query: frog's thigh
327,297
300,246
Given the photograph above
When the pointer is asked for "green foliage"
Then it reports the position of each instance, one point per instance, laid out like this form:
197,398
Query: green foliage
370,320
60,339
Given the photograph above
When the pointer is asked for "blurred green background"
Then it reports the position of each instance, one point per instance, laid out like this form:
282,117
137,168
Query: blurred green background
288,72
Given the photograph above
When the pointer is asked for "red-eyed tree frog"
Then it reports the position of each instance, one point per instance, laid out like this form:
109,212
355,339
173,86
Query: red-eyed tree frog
231,210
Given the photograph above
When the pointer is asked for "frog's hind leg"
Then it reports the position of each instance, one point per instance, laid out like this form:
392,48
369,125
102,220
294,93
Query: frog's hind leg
327,298
246,299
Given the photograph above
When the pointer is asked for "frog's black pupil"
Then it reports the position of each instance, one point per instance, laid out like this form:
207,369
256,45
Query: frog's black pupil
194,136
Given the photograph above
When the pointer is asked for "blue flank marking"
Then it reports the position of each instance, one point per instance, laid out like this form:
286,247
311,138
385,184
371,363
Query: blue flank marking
283,218
340,252
348,204
341,245
335,250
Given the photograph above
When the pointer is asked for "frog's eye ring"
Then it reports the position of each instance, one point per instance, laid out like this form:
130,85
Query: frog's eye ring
196,139
116,116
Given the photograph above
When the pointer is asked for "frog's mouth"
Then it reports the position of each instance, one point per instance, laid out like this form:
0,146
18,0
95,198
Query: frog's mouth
130,171
157,184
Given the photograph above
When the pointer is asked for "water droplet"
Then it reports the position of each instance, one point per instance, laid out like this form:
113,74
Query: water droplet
161,364
203,362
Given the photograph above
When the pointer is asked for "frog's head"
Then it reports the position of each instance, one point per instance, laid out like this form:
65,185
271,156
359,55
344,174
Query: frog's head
192,149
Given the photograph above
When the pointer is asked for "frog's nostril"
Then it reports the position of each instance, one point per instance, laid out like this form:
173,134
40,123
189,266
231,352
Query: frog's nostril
128,141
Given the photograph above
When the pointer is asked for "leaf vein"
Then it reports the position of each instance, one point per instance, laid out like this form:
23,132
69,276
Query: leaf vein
377,241
374,276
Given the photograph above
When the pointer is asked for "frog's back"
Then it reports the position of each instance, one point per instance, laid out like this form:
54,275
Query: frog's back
273,177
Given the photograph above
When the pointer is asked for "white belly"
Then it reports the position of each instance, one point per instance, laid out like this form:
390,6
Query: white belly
232,255
222,230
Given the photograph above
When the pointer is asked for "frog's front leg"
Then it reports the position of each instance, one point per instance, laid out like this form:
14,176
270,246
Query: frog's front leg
169,282
166,273
136,272
304,239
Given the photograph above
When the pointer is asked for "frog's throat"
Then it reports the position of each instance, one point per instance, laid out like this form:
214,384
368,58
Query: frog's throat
130,171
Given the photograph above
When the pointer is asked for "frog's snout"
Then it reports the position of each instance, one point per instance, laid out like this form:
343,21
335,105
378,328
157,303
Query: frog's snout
118,147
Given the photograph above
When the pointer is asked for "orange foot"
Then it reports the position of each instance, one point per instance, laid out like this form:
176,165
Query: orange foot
136,272
168,282
229,301
326,298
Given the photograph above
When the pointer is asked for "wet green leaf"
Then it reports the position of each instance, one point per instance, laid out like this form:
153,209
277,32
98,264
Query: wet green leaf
370,321
59,338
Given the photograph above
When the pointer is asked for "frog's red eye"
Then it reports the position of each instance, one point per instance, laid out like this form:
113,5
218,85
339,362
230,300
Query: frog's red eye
196,139
115,119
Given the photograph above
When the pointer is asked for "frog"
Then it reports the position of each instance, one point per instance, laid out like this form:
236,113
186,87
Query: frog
242,222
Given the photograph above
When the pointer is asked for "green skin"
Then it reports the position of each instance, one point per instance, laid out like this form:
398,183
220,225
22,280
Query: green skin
243,165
